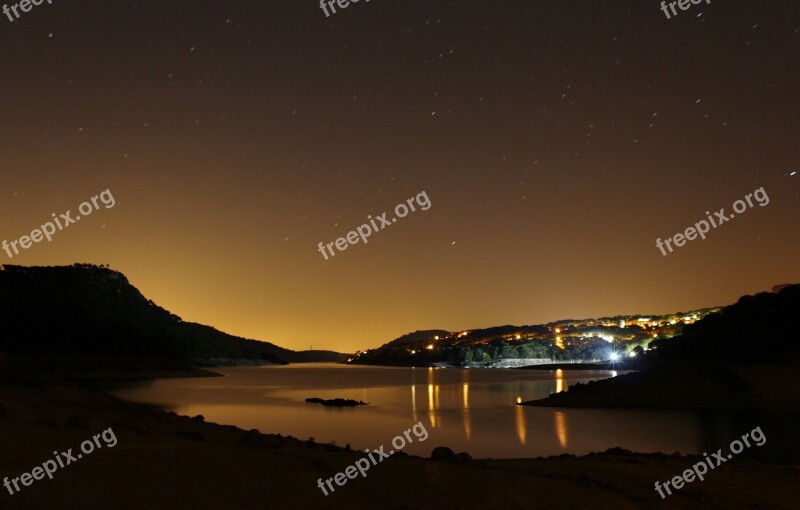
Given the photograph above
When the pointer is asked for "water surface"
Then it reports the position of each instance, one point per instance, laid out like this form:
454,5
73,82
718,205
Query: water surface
467,410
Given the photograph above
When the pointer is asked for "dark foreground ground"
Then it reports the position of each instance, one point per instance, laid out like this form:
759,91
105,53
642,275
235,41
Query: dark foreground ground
164,461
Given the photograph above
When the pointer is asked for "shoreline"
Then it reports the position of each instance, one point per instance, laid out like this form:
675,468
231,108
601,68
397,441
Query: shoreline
156,446
699,385
609,366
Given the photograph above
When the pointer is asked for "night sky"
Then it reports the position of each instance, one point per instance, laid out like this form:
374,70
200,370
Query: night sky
556,141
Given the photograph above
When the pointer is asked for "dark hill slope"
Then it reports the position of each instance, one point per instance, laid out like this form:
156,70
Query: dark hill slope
85,310
744,358
760,328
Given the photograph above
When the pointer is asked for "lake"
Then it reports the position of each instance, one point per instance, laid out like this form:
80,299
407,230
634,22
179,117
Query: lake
467,410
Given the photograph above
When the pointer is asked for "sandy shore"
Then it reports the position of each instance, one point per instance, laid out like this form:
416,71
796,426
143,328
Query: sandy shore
167,461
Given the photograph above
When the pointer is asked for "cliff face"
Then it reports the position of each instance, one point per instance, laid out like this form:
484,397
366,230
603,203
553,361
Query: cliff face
93,311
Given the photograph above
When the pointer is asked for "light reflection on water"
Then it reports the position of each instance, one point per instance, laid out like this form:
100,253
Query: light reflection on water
468,410
522,429
561,428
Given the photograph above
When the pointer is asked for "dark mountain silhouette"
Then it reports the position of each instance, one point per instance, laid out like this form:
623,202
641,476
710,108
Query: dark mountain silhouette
760,328
86,310
418,336
743,358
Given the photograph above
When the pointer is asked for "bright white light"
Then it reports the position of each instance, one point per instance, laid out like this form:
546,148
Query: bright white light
614,356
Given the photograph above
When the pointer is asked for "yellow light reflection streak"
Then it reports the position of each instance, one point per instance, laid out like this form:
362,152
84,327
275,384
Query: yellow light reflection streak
431,406
465,410
433,398
414,401
561,428
561,383
522,430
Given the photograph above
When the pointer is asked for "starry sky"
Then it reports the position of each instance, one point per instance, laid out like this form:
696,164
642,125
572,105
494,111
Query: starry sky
556,141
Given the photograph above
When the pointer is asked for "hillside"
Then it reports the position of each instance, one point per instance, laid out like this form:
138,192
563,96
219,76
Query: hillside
742,358
760,328
86,310
566,340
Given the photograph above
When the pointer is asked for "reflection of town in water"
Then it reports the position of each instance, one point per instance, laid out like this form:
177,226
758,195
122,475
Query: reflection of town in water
426,402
